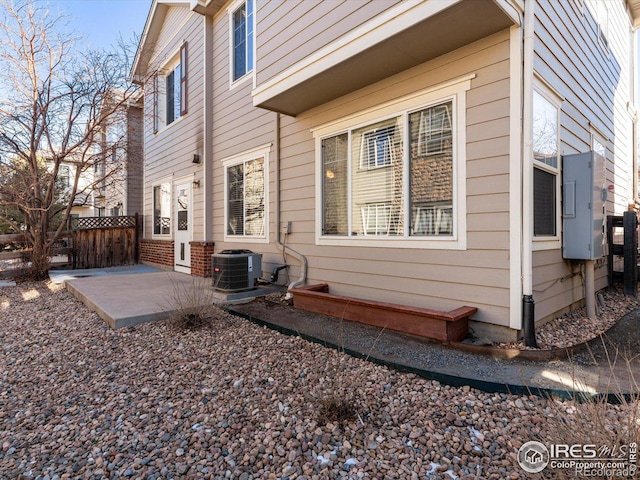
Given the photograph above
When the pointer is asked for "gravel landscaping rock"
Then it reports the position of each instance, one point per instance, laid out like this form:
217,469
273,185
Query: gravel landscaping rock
79,400
575,327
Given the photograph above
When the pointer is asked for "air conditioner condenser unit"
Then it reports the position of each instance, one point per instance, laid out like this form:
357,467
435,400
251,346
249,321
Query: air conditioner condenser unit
236,270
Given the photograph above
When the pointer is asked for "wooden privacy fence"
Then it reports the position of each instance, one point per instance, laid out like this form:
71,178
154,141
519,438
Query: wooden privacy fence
100,242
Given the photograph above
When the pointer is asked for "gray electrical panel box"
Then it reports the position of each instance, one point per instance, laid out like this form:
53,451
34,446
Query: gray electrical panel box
583,199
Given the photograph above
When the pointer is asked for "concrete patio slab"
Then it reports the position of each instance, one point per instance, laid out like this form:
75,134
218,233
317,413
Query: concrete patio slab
61,276
127,300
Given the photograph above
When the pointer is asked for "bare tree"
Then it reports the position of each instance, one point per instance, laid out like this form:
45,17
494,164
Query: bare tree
59,107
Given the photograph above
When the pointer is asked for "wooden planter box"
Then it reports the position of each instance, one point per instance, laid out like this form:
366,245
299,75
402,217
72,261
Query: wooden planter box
450,326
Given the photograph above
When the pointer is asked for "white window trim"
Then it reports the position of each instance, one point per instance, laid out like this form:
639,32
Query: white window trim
243,157
158,183
250,75
174,60
549,242
455,91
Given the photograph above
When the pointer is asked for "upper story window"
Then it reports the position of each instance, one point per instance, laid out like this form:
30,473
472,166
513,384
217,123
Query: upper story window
600,11
63,176
546,167
172,97
170,91
242,39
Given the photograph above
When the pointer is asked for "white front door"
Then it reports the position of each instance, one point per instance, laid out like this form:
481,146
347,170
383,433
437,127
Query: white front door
182,249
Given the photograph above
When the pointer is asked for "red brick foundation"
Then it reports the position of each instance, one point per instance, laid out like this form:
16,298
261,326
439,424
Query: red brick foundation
157,251
201,258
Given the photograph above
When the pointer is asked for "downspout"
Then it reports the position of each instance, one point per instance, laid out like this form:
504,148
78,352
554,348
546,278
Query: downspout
528,304
301,258
634,53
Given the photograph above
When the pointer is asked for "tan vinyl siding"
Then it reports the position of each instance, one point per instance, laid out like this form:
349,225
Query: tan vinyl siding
168,153
237,128
443,279
135,157
306,27
596,87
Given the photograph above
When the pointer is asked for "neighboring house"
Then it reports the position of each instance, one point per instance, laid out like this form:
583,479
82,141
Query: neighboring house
83,204
120,186
411,151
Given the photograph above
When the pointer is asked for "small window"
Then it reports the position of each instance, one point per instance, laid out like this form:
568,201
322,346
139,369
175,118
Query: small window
170,91
63,176
546,166
242,35
598,144
173,95
545,131
162,209
600,12
246,198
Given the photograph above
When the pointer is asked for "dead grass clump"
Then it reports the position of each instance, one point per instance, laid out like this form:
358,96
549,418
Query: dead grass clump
191,306
338,397
344,392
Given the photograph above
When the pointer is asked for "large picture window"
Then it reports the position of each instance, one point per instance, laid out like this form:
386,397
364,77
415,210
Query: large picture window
242,37
546,166
162,209
246,198
373,185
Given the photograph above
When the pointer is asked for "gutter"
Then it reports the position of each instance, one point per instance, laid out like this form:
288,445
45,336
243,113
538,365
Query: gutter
298,256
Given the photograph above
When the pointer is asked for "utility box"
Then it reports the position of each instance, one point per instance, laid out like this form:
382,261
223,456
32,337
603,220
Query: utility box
583,199
236,270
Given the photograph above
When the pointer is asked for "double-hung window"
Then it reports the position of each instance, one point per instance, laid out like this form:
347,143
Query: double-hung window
64,176
242,38
170,91
172,87
546,166
395,175
245,182
162,209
